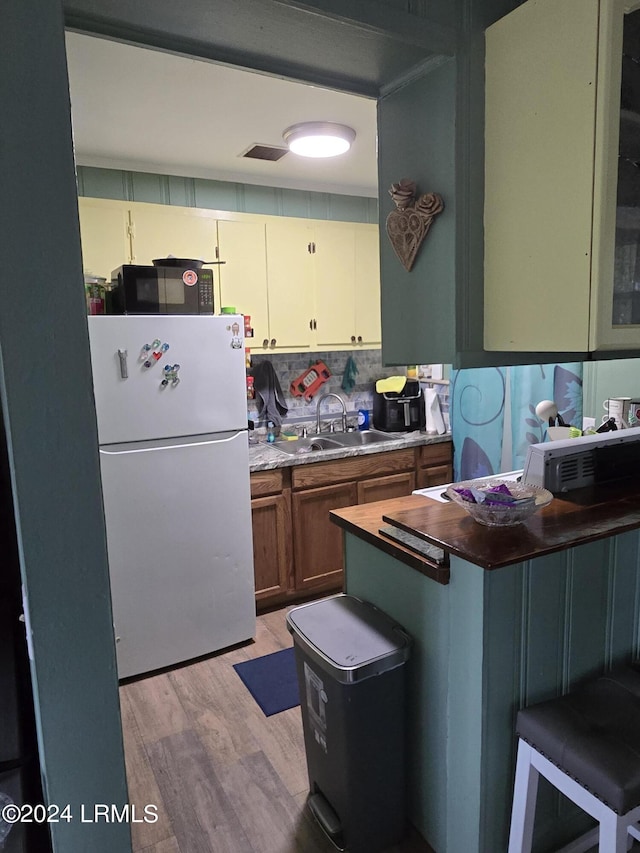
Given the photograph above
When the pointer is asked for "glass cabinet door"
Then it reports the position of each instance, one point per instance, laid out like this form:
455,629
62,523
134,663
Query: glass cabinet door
626,287
626,284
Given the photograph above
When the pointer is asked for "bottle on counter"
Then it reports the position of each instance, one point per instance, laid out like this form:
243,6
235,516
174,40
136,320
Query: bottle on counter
271,432
363,419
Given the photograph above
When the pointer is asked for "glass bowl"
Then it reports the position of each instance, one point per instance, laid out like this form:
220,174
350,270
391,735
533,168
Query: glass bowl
529,499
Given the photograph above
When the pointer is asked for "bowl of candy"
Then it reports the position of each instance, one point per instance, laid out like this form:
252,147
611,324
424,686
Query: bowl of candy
498,503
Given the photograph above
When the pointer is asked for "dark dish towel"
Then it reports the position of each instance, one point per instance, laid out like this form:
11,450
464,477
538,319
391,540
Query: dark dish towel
349,375
269,396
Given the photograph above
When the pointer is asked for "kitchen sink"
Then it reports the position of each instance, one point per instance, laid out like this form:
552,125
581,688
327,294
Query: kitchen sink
306,445
361,438
332,441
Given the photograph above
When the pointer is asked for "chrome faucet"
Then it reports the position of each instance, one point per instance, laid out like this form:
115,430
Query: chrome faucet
344,411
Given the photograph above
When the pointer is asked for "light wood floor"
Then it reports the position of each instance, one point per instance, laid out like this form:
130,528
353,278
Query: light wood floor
225,778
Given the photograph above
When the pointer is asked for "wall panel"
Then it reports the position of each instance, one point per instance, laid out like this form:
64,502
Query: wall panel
223,195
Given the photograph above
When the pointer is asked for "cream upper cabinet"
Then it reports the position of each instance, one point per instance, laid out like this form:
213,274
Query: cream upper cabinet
243,275
159,230
367,285
347,280
306,283
334,258
104,232
290,278
552,100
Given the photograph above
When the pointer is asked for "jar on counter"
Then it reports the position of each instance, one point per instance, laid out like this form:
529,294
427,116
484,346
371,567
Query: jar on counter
95,289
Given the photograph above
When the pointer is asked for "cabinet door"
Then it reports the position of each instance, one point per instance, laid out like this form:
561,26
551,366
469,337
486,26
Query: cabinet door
160,230
317,542
271,521
334,258
384,488
616,230
543,155
243,276
367,285
290,283
435,475
104,231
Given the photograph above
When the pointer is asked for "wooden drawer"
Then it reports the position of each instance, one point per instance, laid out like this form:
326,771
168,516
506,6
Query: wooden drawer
435,475
352,468
384,488
435,454
267,482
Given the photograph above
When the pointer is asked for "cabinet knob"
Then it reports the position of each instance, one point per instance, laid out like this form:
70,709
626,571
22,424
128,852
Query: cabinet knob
273,342
265,342
359,339
353,339
311,324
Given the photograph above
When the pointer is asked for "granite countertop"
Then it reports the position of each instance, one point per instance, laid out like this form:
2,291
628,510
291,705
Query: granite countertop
263,457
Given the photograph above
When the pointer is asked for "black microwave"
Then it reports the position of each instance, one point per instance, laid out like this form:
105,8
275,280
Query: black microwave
161,290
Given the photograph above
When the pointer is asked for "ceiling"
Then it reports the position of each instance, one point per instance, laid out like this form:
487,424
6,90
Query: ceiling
142,109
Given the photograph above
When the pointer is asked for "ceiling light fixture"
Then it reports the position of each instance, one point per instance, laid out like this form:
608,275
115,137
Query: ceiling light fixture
319,138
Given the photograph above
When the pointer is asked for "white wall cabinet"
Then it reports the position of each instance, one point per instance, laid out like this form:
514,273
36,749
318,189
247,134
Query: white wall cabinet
307,284
552,87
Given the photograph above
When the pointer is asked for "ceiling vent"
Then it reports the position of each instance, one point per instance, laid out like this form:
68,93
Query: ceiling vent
265,152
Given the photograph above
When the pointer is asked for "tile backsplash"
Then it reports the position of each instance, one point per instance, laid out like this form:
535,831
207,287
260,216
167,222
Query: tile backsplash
288,366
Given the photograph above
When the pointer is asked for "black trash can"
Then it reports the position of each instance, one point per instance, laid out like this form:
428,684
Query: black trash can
350,660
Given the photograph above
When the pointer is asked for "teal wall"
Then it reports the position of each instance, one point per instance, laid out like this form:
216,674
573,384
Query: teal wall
49,416
417,132
484,646
603,379
223,195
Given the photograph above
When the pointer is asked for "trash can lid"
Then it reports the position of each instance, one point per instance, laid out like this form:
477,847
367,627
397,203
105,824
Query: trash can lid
351,638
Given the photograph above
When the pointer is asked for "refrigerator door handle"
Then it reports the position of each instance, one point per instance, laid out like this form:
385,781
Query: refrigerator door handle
122,355
172,443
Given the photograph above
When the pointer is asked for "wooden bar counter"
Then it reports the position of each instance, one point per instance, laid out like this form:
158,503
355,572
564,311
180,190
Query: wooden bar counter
510,617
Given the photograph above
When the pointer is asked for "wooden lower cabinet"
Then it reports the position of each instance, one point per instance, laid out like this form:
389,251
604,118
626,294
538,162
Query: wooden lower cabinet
297,549
271,518
317,542
434,465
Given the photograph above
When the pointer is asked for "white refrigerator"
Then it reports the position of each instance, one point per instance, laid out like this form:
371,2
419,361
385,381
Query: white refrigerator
170,397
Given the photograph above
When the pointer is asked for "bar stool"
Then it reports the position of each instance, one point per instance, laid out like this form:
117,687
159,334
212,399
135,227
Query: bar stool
587,745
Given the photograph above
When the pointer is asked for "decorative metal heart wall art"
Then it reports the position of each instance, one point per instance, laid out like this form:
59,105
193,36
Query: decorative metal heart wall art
409,224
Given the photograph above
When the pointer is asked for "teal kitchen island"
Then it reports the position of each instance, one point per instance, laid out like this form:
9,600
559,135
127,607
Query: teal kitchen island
510,617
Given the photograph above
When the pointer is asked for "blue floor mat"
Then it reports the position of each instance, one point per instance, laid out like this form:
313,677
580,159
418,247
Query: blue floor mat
271,680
